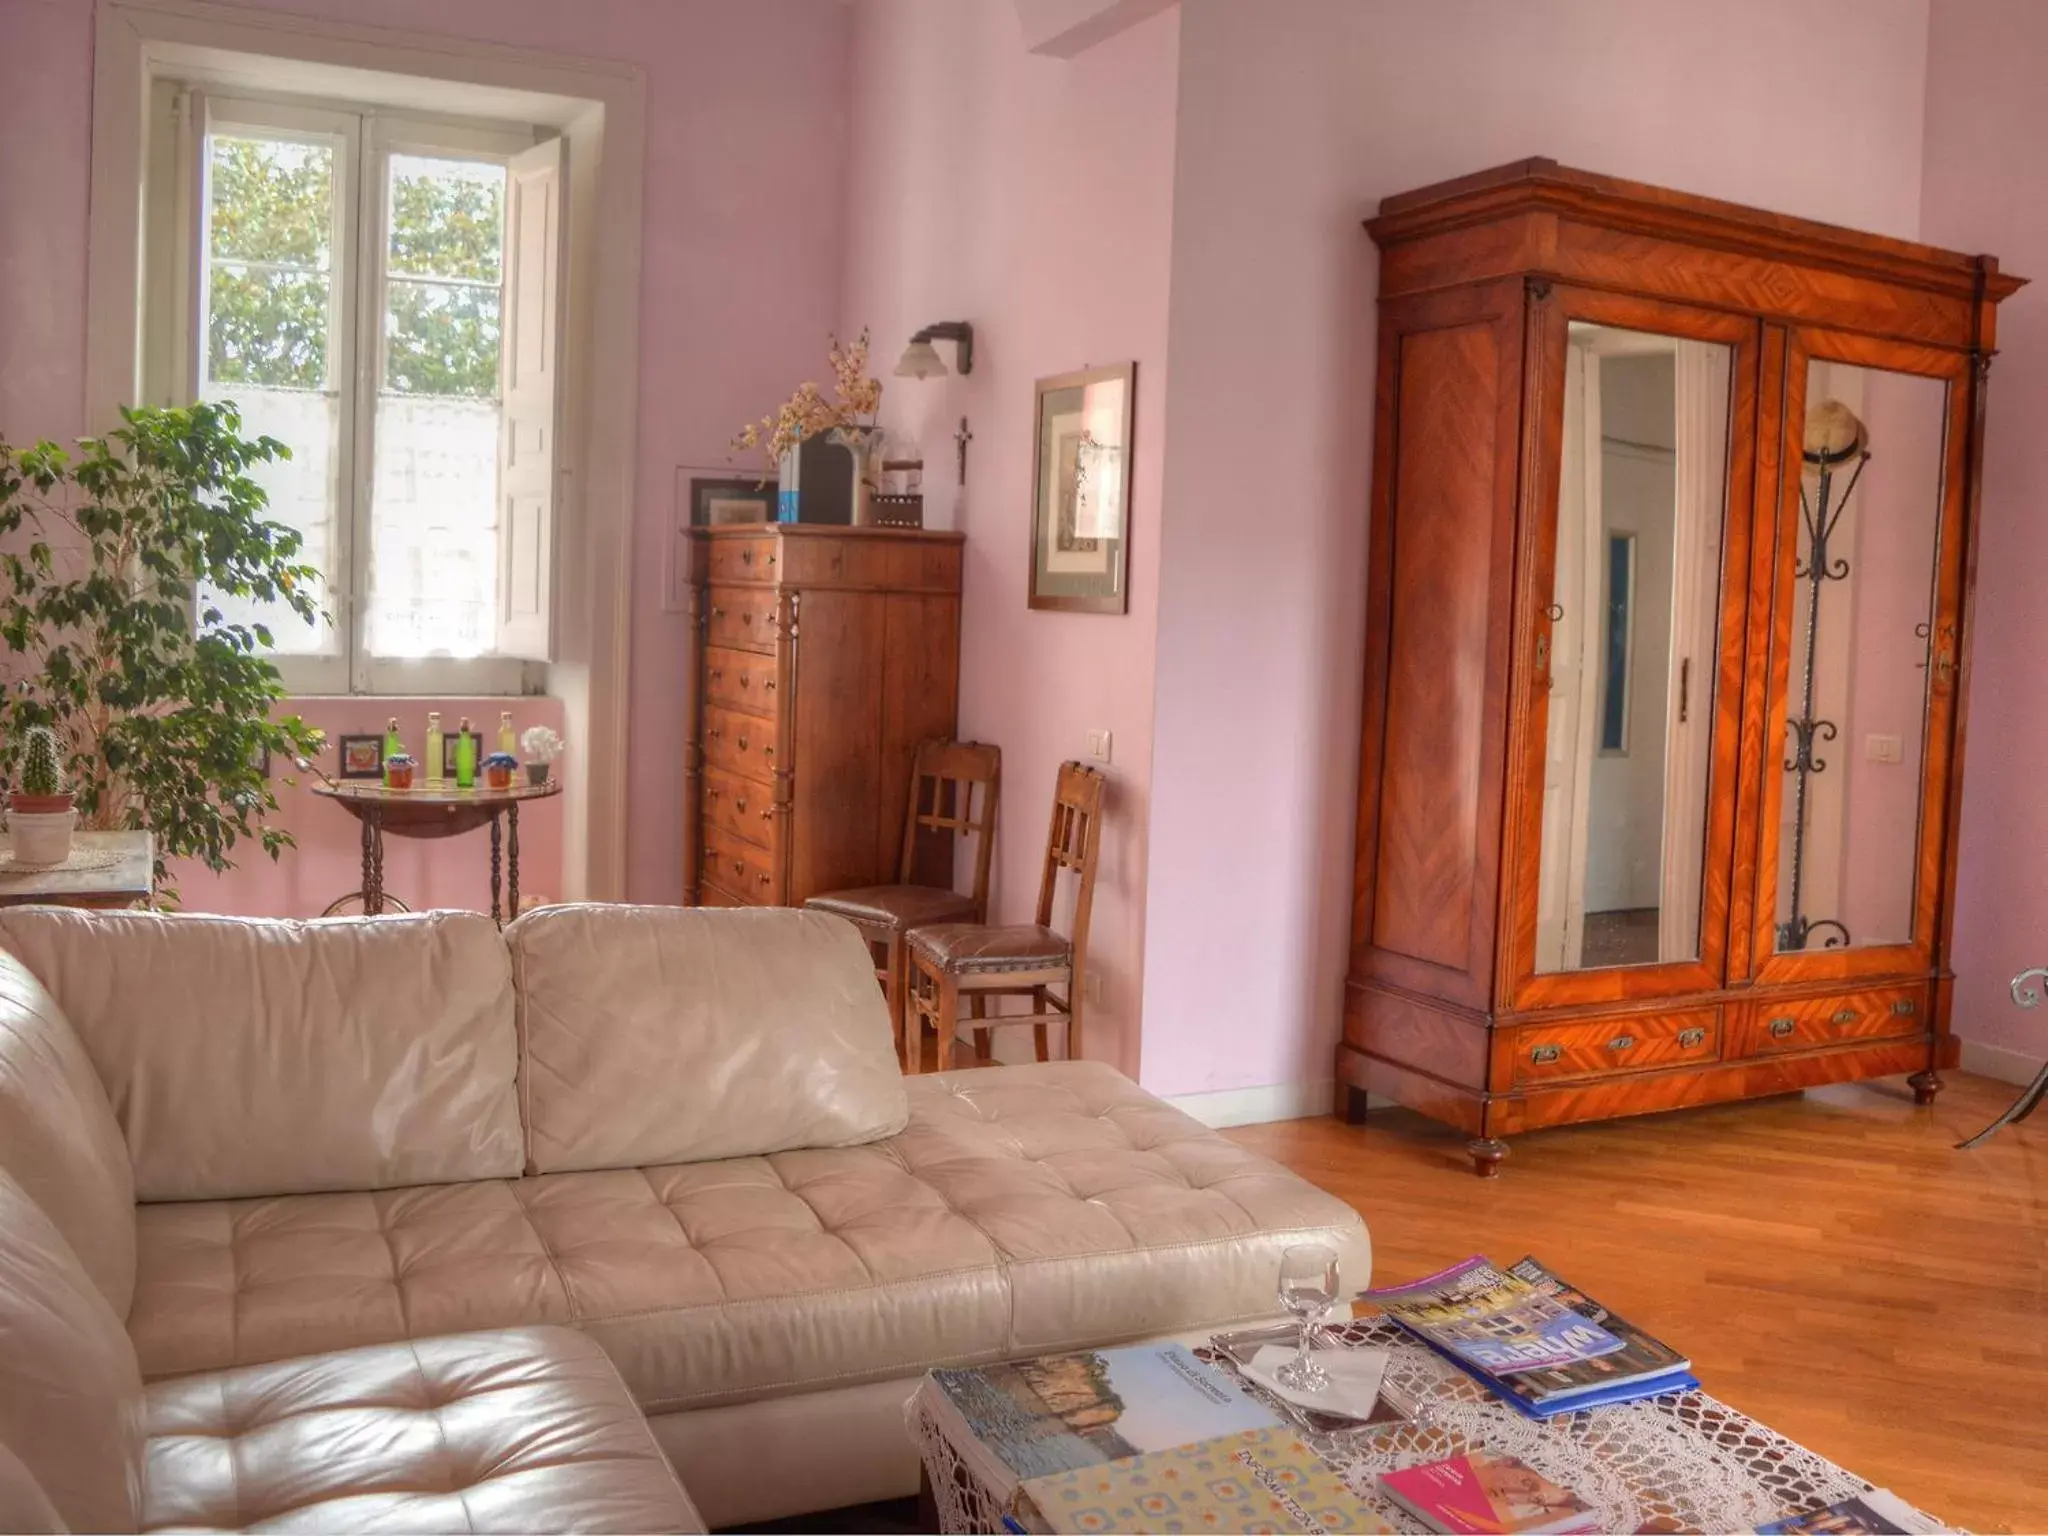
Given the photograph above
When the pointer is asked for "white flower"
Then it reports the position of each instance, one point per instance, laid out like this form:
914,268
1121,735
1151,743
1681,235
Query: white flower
542,744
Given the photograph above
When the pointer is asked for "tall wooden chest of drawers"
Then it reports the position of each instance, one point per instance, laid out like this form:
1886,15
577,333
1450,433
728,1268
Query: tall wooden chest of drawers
826,654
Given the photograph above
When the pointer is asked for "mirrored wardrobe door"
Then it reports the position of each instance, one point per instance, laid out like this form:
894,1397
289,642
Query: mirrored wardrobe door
1865,641
1631,659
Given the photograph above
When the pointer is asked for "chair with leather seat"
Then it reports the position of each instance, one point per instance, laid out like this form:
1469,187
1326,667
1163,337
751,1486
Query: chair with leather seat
949,961
954,787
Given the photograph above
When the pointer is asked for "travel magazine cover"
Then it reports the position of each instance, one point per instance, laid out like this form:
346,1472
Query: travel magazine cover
1487,1496
1499,1323
1643,1360
1880,1512
1263,1480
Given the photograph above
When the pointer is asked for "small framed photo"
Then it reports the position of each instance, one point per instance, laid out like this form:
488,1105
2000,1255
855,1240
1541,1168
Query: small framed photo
1081,493
362,757
722,503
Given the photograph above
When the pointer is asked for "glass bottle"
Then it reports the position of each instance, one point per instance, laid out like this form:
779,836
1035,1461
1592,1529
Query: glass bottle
507,742
436,764
392,745
465,757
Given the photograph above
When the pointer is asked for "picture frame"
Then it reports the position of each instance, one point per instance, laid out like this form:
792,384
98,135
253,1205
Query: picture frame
362,757
720,503
1082,436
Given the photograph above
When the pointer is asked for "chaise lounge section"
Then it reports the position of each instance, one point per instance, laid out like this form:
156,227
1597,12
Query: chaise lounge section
676,1136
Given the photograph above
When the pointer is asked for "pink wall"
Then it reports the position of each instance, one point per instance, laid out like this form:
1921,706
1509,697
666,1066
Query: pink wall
1031,196
746,107
1987,119
1295,117
452,872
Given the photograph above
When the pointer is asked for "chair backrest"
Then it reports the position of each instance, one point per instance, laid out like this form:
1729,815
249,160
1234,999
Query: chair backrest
954,787
1074,843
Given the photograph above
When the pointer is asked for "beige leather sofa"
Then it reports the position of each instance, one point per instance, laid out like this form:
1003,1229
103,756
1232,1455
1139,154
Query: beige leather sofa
406,1223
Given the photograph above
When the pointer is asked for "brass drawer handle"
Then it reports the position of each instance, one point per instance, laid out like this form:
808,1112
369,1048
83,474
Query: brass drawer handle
745,681
1845,1016
1688,1038
717,612
738,868
768,686
767,815
716,733
740,805
712,792
718,676
1622,1043
1782,1028
1546,1053
766,880
1905,1007
746,557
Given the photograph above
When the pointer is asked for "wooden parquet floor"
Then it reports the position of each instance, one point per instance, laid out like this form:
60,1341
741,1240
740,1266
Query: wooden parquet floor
1834,1268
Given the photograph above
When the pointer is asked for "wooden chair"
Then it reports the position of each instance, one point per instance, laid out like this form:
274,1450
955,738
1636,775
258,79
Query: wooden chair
954,786
952,960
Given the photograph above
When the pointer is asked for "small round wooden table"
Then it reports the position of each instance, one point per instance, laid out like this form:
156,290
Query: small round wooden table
436,811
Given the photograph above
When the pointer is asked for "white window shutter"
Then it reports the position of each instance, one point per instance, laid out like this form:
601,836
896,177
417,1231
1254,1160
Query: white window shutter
531,367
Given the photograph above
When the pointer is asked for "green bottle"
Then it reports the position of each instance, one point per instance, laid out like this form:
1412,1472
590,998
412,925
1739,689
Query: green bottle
465,757
392,745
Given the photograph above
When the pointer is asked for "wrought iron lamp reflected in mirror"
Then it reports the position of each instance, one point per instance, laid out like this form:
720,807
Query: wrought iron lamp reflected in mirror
921,360
1836,449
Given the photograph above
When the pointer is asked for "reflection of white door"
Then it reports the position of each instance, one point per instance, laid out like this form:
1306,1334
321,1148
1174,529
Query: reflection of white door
1574,673
1700,472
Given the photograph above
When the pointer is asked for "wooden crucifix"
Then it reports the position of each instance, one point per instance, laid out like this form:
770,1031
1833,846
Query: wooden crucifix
961,439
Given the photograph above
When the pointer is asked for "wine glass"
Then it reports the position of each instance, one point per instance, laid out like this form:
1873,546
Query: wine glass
1308,1289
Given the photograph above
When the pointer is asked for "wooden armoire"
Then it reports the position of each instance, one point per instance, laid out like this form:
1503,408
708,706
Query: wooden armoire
827,653
1672,535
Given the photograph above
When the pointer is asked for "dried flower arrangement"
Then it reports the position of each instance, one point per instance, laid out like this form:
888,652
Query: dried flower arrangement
855,400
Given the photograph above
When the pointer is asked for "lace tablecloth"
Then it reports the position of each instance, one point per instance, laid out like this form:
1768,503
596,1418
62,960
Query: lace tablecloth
1679,1463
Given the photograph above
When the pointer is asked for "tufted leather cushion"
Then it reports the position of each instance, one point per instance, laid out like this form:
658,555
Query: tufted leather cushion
528,1430
655,1035
963,948
58,1135
1023,1208
896,906
246,1056
70,1395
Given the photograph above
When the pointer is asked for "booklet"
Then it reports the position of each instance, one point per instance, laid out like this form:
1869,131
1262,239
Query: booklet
1487,1496
1880,1512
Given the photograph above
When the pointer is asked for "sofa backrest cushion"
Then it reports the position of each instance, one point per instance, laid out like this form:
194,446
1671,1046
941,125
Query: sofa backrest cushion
653,1035
24,1507
58,1135
70,1391
255,1057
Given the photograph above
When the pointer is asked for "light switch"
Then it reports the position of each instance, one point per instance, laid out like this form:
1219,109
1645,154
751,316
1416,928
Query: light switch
1098,746
1884,749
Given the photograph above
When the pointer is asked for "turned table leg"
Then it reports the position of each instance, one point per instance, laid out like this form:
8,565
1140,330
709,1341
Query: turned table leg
512,860
497,859
373,883
1487,1155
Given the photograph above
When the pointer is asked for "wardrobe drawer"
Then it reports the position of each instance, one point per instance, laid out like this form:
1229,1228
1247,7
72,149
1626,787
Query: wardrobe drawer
743,808
1597,1047
742,680
753,559
743,617
741,744
1882,1013
751,875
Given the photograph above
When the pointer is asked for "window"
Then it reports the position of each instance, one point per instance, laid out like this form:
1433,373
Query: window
379,292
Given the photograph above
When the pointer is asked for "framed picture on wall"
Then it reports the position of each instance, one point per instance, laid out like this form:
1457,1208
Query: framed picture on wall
719,503
1081,490
362,757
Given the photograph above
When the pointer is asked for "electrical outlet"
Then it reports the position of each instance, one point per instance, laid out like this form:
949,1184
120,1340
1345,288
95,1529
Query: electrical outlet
1098,746
1884,749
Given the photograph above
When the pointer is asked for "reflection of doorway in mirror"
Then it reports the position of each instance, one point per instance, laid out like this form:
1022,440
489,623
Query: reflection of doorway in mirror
1633,627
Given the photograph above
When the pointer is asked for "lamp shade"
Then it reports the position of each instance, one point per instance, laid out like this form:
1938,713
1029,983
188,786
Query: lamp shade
920,360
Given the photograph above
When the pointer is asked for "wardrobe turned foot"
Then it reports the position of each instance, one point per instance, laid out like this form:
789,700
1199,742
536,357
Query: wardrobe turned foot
1486,1155
1925,1086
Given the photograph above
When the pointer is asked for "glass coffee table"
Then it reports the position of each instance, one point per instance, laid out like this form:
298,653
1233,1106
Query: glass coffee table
1686,1462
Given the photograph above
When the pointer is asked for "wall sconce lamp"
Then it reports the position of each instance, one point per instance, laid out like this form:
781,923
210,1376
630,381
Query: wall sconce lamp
921,359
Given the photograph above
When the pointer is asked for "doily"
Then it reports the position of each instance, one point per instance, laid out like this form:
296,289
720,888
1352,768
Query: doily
80,861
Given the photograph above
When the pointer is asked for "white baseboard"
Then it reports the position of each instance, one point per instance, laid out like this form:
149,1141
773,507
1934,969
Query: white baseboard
1256,1106
1996,1061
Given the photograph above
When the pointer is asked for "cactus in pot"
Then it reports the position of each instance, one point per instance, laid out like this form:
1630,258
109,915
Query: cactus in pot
41,791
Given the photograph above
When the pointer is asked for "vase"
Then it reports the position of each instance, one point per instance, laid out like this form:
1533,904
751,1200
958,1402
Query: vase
42,838
860,443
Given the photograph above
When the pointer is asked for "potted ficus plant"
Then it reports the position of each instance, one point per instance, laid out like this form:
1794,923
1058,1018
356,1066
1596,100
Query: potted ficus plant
40,811
134,574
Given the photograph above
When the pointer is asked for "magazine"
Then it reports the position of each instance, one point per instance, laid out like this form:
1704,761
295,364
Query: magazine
1879,1512
1642,1359
1498,1322
1260,1480
1036,1418
1492,1495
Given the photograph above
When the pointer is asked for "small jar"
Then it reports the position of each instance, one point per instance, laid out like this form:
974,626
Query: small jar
398,771
498,770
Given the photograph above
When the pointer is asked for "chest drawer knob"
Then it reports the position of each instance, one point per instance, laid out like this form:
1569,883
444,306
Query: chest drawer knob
1622,1043
1905,1008
1844,1016
1689,1038
1546,1053
1781,1029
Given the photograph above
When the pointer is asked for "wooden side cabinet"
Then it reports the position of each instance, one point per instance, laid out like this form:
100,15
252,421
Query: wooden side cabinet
827,654
1673,529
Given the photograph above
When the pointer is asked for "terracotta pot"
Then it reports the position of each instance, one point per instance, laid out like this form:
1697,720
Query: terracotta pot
40,805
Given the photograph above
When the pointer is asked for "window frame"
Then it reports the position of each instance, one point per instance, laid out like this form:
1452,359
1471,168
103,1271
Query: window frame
368,136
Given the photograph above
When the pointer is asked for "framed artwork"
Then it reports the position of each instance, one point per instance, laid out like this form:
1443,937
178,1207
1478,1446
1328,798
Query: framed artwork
362,757
1081,496
717,503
